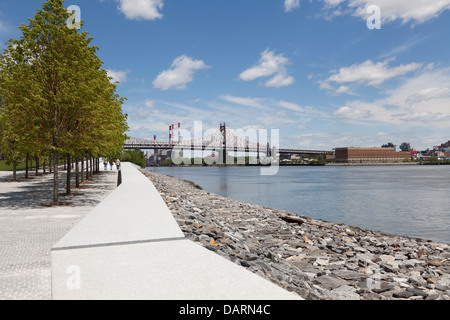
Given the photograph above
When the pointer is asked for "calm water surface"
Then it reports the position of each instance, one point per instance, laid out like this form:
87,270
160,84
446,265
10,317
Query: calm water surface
409,200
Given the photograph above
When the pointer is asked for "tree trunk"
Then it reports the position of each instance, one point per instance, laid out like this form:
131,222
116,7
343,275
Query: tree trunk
37,165
43,166
87,168
15,170
69,169
26,165
82,169
77,174
50,164
55,176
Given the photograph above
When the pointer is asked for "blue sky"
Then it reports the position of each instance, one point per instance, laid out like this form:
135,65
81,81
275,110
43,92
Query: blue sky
312,69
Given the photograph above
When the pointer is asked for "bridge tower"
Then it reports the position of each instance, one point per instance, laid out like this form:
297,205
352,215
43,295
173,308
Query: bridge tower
223,131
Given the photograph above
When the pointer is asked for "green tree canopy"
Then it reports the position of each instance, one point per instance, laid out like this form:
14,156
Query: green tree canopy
56,96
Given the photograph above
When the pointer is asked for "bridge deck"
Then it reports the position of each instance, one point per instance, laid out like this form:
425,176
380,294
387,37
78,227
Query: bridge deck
169,146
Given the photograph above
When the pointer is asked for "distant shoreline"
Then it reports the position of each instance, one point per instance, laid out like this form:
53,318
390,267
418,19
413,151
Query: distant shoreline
295,165
374,164
311,165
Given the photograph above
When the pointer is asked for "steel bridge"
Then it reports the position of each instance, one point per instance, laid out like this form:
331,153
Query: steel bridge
221,140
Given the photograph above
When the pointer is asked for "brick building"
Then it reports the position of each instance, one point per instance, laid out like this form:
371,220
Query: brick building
351,154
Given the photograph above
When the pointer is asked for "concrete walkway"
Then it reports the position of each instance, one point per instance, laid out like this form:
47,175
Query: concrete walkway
28,231
130,247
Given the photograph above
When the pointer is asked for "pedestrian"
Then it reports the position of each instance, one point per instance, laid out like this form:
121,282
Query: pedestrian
118,164
111,163
105,163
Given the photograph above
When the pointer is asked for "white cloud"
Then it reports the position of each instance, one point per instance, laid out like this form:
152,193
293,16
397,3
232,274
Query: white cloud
149,104
333,3
291,106
247,102
141,9
118,76
270,64
414,11
420,101
350,113
266,103
404,47
180,74
280,80
290,5
368,73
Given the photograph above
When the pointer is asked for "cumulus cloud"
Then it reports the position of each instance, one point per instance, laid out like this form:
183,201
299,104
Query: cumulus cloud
290,5
368,73
418,101
141,9
270,65
180,74
414,11
117,76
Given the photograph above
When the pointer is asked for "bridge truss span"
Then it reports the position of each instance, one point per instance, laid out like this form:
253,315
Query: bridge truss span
221,140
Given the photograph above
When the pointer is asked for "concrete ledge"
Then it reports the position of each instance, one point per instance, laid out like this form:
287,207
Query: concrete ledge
130,247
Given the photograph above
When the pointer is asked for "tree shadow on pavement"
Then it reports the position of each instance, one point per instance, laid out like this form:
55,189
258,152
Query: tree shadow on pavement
32,194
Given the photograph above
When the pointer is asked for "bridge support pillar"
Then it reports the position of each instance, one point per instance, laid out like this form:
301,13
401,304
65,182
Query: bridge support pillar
223,152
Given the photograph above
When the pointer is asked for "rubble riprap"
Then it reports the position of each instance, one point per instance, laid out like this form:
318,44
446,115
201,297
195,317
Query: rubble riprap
313,258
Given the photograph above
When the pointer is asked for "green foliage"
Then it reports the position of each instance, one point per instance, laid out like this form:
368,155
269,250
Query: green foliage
166,163
55,97
435,161
6,165
135,156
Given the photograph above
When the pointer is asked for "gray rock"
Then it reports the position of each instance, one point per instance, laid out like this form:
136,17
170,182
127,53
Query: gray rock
330,282
403,294
381,286
344,293
349,275
317,259
417,292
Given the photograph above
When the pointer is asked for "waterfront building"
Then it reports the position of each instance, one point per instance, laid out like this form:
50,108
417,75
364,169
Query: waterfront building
352,154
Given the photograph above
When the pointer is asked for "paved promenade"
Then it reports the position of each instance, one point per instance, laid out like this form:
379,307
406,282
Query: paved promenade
28,231
131,247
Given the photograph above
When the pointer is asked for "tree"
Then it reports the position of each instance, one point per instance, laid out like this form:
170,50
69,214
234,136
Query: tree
135,156
58,99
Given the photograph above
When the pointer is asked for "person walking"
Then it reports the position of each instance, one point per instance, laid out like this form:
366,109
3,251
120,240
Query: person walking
118,164
111,163
105,163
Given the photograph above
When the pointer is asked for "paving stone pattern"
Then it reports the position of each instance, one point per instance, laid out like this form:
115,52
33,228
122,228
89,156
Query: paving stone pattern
28,230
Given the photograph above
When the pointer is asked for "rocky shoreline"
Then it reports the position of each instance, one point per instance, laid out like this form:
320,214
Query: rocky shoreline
316,259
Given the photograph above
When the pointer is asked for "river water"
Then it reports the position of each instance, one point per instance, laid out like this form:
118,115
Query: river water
404,200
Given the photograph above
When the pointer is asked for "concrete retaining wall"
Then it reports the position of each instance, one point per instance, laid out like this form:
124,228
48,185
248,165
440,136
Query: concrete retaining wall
130,247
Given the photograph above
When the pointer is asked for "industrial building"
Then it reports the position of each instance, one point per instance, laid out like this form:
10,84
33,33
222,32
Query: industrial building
352,154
